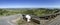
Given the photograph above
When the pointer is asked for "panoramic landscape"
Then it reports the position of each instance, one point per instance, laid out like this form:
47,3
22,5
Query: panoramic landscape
29,12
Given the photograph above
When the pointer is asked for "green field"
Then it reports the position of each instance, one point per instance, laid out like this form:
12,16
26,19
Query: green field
33,11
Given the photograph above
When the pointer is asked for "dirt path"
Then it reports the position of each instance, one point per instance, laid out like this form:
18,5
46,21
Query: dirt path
55,21
9,20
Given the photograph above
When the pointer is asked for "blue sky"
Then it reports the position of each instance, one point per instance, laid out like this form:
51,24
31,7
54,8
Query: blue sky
29,3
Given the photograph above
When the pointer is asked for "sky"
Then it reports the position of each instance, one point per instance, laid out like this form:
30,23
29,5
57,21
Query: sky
29,3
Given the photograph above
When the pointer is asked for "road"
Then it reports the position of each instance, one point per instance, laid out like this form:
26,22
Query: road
8,20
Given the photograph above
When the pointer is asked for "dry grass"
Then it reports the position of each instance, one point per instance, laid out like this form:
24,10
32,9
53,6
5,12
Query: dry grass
21,22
